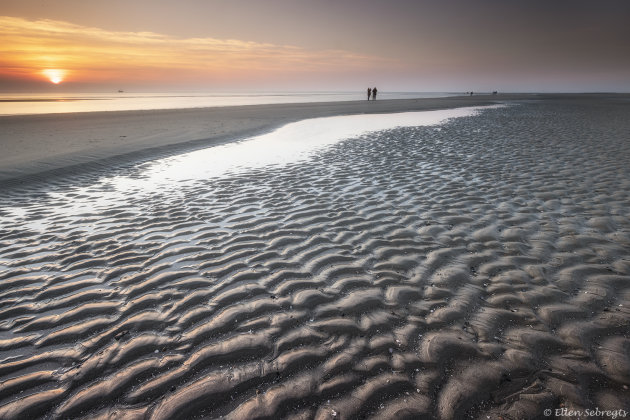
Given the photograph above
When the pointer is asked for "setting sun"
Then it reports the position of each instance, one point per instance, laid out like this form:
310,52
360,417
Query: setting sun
54,75
60,52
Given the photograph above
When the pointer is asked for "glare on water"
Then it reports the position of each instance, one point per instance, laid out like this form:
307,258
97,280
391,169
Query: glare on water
288,144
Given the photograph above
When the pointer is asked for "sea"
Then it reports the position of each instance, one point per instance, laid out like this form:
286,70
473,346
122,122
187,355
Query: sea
54,103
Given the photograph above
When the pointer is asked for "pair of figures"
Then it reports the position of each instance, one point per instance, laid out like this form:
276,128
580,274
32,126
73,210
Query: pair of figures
372,93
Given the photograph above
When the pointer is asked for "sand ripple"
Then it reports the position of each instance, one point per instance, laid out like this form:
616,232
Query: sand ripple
479,268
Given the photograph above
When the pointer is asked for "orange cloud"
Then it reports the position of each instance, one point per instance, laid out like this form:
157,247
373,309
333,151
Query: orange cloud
88,54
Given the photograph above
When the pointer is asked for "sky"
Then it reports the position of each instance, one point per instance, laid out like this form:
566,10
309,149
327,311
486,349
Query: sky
321,45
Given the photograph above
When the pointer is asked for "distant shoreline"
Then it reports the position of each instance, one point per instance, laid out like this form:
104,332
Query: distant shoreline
62,103
39,146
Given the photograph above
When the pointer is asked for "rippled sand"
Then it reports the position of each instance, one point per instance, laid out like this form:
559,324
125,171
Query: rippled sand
479,268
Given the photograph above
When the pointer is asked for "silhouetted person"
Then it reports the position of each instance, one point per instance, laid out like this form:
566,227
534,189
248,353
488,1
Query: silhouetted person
369,93
374,94
471,93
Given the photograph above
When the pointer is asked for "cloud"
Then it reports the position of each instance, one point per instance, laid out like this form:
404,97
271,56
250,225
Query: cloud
94,55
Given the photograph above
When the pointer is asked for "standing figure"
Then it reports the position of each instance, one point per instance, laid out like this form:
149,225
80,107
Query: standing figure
369,93
374,93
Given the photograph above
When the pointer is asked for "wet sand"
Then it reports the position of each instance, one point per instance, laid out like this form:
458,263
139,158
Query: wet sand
480,268
39,144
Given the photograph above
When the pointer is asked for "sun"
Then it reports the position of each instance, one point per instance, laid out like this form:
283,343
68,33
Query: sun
54,75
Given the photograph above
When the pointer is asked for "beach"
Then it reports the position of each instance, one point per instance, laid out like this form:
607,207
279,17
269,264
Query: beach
476,268
34,144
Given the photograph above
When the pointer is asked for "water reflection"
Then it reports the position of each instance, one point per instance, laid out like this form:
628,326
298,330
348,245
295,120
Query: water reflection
287,144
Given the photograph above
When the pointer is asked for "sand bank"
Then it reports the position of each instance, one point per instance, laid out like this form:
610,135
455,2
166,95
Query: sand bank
31,144
477,269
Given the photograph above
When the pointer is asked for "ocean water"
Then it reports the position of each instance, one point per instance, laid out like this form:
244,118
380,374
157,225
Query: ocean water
54,103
